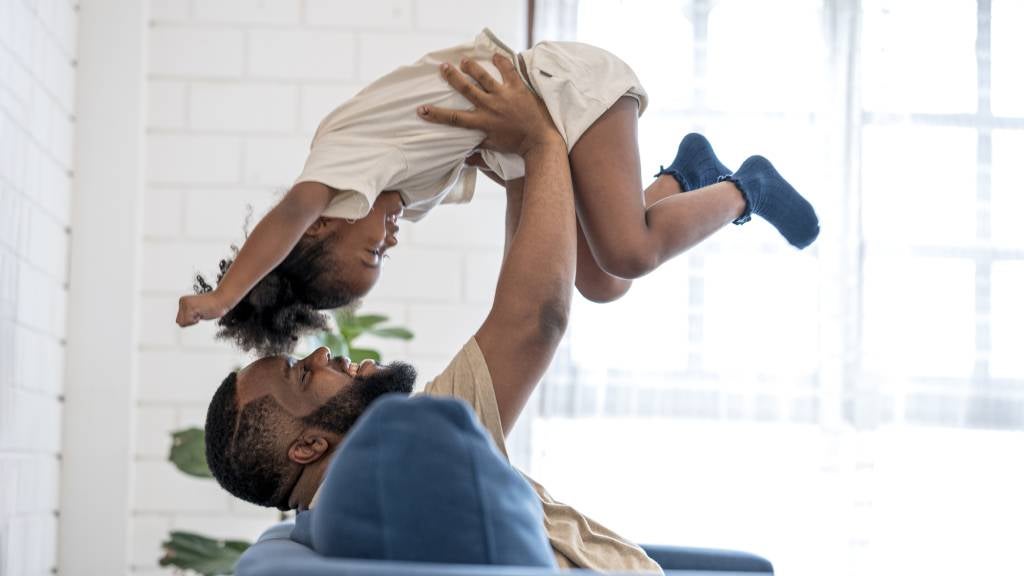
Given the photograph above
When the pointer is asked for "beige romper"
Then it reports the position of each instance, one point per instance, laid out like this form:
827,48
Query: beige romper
376,141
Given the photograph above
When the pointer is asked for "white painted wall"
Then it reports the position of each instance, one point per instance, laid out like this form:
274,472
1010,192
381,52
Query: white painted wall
102,312
37,53
236,89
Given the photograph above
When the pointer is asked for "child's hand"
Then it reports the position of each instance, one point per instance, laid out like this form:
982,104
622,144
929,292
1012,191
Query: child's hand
192,309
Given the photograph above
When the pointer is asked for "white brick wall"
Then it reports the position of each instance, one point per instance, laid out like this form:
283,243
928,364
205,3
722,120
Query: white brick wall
236,89
37,52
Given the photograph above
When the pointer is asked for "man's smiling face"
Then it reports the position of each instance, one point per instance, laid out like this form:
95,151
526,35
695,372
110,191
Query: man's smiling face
306,387
298,385
278,419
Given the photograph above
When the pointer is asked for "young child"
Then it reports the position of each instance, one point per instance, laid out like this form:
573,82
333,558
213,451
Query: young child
387,153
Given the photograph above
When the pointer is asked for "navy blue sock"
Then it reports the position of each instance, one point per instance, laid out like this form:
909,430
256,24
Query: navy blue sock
696,165
769,196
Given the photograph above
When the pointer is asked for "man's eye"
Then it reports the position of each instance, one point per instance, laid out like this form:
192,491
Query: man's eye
305,376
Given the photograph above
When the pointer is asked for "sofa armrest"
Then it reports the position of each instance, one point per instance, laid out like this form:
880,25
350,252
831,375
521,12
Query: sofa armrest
707,559
280,531
275,553
281,556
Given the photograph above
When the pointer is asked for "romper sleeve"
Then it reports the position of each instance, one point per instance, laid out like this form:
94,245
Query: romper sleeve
357,170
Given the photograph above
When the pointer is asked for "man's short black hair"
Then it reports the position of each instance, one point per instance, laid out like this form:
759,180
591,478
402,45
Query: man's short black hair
239,452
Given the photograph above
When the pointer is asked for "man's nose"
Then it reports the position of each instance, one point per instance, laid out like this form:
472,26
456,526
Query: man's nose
319,357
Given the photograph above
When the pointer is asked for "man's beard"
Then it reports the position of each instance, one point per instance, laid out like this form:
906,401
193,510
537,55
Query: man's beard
342,410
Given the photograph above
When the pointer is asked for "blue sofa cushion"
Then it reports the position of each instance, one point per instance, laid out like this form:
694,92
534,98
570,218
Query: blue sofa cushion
280,551
419,480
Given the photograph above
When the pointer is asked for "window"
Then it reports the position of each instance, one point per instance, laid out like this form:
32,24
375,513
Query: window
858,405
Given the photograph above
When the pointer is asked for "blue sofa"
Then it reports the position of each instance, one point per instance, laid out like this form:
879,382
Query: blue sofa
479,508
276,554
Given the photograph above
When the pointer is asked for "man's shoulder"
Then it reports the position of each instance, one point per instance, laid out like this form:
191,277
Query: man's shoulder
468,378
467,366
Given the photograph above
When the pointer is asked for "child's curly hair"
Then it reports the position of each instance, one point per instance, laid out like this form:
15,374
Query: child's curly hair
286,303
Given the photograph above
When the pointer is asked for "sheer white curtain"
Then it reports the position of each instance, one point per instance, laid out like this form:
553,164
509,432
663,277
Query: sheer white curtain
856,408
554,19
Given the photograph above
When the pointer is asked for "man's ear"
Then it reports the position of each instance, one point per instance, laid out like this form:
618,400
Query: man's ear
308,448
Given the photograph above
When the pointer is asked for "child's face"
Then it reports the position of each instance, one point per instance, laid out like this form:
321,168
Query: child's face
359,246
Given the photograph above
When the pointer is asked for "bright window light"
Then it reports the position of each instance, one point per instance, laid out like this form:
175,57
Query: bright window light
1007,58
919,184
1007,359
919,56
857,407
1007,188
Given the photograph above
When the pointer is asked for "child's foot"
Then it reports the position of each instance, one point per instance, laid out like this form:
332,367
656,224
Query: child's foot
769,196
696,165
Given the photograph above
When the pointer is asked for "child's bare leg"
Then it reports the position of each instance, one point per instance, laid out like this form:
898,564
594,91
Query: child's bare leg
592,281
661,188
627,239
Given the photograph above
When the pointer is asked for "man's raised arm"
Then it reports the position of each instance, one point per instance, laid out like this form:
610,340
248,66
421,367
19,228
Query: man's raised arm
531,302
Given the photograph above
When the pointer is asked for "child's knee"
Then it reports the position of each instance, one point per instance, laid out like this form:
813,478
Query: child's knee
629,262
603,290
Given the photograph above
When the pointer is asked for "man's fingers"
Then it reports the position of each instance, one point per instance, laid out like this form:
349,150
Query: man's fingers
506,68
459,118
462,84
481,75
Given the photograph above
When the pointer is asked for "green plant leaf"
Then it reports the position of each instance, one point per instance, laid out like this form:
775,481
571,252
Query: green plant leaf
343,316
369,320
350,333
359,354
206,556
344,348
355,326
391,332
345,319
188,452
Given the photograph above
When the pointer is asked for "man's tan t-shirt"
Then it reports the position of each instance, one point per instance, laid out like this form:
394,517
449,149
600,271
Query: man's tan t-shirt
577,541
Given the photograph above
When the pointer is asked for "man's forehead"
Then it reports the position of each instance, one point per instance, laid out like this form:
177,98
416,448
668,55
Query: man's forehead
255,380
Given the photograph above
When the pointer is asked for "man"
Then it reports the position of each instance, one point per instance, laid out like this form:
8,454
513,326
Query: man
274,428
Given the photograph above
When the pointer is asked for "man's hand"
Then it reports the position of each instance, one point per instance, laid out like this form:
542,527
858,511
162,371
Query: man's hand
192,309
513,118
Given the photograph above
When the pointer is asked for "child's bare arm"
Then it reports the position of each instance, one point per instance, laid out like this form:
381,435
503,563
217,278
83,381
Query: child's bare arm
270,241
